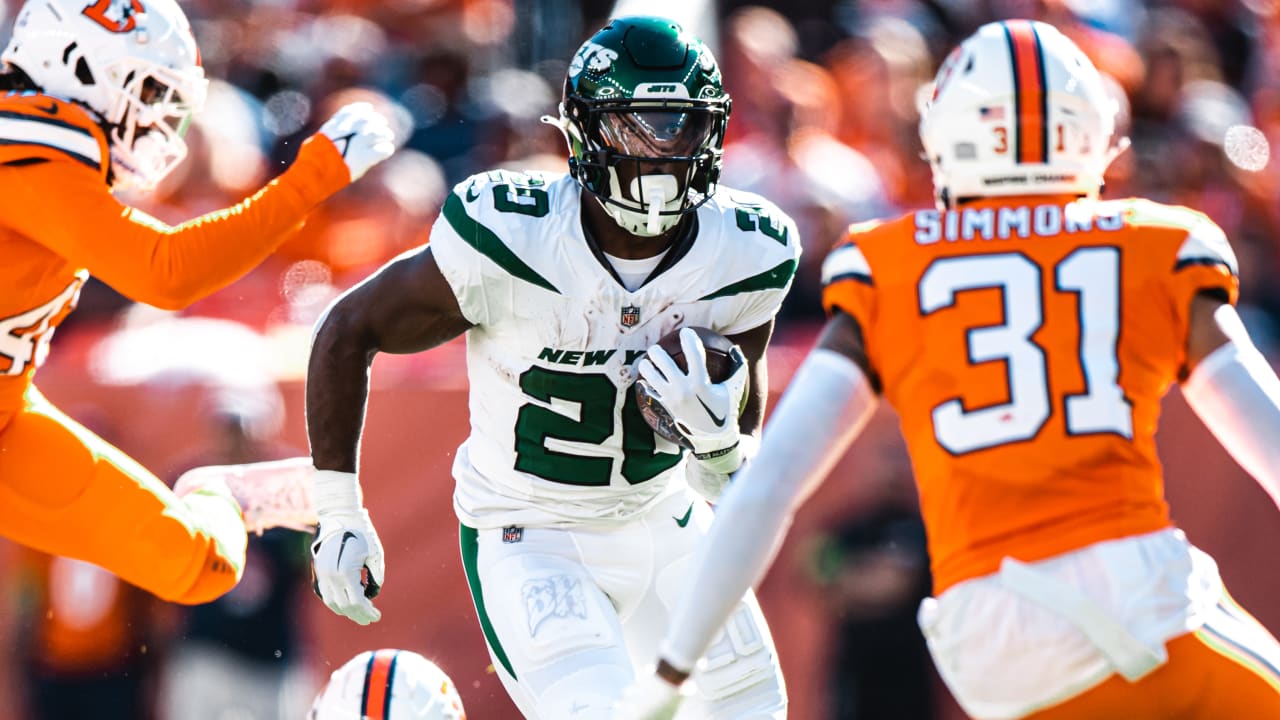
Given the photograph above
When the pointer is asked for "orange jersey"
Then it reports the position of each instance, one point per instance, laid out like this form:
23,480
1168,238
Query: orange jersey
1025,344
59,223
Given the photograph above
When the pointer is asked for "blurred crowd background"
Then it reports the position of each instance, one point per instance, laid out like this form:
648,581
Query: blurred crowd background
825,107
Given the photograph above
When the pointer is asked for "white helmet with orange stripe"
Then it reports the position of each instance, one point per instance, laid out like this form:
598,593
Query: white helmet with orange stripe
133,62
388,684
1018,109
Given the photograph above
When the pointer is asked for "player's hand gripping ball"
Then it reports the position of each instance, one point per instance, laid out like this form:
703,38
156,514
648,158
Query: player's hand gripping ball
723,358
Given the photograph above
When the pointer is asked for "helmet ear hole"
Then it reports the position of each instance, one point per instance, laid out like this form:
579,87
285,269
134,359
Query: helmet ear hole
83,73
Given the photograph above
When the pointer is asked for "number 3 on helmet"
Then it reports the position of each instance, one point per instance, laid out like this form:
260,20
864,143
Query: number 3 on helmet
132,62
1018,109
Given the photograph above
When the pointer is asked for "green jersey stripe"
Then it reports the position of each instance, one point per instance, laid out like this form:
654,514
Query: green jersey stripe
775,279
489,244
469,544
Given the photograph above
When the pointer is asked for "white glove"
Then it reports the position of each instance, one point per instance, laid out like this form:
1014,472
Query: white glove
362,135
649,698
705,413
345,546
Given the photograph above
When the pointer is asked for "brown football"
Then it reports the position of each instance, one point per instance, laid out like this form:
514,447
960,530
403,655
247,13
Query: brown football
720,365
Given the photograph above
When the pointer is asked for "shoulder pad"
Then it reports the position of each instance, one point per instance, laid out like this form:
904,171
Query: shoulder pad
1203,241
1148,213
846,262
861,228
1206,244
36,127
506,191
753,213
483,211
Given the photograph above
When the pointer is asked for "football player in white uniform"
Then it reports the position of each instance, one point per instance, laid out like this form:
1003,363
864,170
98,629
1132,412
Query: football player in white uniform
577,525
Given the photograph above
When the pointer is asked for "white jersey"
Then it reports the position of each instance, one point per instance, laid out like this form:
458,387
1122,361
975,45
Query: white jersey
556,434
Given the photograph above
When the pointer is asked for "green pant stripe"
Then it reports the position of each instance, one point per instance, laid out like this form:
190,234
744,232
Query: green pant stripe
468,542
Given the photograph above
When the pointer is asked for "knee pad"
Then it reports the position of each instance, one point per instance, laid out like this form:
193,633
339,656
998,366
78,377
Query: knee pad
740,656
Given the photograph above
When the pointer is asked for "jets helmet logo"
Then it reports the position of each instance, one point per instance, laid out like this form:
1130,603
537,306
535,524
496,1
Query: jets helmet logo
596,58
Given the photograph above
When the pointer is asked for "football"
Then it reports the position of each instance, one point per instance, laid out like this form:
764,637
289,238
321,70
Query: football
720,365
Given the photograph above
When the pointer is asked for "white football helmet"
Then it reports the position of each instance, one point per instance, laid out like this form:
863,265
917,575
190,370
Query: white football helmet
133,62
1018,109
388,685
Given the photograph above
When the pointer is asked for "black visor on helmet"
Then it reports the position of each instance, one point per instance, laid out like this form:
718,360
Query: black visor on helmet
641,134
656,133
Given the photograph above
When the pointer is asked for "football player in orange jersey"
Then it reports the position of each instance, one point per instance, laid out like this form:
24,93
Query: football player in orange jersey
1025,333
100,92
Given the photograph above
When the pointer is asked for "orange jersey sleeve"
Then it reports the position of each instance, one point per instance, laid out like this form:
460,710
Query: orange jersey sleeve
55,196
1026,345
846,278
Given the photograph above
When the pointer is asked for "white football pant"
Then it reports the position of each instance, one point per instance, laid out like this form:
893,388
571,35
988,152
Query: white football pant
570,614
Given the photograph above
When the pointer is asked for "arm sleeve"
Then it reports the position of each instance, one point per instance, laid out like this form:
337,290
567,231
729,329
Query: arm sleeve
68,209
1236,394
824,408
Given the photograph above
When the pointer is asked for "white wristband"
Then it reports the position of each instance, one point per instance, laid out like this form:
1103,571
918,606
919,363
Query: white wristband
337,492
731,459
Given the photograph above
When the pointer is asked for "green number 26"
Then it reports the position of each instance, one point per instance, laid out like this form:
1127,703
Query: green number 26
596,396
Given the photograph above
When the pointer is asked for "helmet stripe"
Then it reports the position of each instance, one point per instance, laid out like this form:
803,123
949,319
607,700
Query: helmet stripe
375,704
1031,135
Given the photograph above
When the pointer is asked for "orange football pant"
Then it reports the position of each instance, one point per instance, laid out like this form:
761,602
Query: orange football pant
1228,669
66,491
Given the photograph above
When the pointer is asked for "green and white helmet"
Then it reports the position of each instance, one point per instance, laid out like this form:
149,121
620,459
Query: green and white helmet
644,114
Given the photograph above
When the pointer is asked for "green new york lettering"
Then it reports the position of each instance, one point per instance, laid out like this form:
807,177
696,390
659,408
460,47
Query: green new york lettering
597,357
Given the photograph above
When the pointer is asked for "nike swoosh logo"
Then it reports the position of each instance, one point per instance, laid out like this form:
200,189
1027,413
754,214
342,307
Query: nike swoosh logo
346,143
719,421
348,535
471,194
52,109
682,521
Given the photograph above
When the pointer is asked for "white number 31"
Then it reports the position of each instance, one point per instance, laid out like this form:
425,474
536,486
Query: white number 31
1093,274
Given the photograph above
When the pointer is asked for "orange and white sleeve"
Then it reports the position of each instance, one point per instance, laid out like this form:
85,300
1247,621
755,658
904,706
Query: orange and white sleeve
66,206
1204,262
847,282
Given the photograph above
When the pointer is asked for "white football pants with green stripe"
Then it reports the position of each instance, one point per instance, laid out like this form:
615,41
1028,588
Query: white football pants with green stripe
570,614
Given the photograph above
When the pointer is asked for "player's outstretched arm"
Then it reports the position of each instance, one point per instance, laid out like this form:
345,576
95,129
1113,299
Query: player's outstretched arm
822,411
68,208
407,306
1234,390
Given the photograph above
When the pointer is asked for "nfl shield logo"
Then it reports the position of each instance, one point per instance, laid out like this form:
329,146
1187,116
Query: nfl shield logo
630,316
513,534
